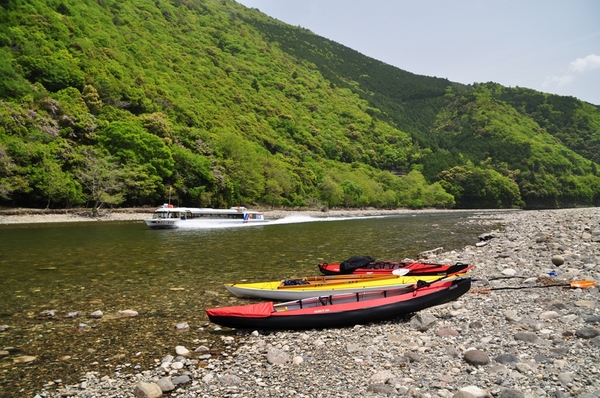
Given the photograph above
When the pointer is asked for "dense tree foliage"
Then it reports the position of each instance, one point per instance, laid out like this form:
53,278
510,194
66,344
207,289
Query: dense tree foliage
110,103
502,149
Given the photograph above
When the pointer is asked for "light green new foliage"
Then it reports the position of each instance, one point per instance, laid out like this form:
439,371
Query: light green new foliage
229,107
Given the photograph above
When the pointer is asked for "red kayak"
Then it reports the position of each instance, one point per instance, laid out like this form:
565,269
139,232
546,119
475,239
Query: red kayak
368,265
347,309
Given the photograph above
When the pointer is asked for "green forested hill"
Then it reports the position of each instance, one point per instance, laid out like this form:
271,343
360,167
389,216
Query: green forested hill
110,103
409,100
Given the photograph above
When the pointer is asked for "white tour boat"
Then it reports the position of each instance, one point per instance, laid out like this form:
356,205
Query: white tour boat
169,217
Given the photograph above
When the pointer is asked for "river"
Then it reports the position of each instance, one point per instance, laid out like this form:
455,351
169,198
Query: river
169,277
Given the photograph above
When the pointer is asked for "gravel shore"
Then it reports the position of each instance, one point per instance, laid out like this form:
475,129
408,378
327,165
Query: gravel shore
511,336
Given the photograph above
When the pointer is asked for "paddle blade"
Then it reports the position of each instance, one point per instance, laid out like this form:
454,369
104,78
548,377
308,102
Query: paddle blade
456,268
400,271
582,284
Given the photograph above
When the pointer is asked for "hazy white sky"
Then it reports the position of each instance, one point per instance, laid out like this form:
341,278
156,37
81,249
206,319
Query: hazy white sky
547,45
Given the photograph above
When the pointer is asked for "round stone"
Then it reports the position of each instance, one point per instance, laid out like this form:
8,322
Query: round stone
558,260
507,358
476,357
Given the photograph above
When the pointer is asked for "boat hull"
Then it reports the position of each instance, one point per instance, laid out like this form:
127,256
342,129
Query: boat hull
162,224
177,223
331,285
169,217
340,310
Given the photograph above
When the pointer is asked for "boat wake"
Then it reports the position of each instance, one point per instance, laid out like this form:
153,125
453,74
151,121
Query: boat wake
299,218
295,219
292,219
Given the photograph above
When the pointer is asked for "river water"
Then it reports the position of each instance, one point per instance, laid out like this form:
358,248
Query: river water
169,277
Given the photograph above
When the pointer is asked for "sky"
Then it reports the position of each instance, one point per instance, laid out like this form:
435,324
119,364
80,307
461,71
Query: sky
551,46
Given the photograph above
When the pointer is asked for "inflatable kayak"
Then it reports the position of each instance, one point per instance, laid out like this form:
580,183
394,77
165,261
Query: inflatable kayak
295,289
362,265
339,310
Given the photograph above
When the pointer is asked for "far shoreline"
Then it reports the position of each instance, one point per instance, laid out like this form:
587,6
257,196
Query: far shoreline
37,216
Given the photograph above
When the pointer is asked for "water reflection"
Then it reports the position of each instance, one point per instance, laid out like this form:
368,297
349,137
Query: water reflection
168,276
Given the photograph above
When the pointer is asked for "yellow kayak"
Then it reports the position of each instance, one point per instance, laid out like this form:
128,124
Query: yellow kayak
296,289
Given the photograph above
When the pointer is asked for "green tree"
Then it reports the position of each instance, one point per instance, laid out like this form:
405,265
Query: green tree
12,83
436,196
54,184
55,71
12,178
146,158
352,192
413,191
194,181
331,193
130,143
92,99
473,187
280,183
101,177
241,161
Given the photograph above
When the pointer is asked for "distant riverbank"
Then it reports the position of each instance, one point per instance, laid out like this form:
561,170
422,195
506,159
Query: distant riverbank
35,216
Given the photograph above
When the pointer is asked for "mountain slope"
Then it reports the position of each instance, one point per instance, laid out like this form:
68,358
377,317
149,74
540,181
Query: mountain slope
398,93
112,103
413,102
493,134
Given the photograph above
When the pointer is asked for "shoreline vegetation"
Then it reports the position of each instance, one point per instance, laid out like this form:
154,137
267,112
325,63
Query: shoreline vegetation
30,216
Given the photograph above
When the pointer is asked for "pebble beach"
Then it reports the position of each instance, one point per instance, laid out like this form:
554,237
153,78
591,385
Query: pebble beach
524,330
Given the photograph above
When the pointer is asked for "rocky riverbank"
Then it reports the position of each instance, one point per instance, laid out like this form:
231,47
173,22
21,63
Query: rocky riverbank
528,340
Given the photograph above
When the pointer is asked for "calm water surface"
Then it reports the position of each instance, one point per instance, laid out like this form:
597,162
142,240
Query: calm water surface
169,277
